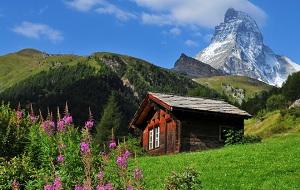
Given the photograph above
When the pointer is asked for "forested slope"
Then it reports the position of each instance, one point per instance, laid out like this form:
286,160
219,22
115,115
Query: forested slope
89,81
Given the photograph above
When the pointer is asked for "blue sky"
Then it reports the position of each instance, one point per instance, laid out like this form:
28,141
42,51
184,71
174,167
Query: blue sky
157,31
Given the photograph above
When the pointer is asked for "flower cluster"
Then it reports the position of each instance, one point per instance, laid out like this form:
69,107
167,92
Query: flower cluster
138,174
84,147
67,119
57,185
32,118
108,186
89,124
19,114
48,126
61,126
122,160
112,144
85,187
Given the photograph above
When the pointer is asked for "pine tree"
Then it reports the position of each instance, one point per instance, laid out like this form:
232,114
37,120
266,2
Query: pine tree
111,118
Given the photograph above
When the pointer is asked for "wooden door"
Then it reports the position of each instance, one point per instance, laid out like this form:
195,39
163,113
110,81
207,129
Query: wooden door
171,137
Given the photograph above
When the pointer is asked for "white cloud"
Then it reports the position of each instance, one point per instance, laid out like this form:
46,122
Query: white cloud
113,10
38,31
101,7
156,19
191,43
204,13
175,31
83,5
193,13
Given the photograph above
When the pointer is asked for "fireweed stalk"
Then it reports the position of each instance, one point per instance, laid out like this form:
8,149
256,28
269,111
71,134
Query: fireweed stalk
85,151
116,166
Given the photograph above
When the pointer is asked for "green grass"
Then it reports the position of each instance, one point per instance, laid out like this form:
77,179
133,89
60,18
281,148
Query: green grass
272,124
273,164
251,86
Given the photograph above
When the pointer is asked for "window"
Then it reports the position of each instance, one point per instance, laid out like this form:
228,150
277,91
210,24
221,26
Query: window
223,131
150,139
154,137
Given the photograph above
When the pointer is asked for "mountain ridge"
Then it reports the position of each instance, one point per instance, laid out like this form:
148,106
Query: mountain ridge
194,68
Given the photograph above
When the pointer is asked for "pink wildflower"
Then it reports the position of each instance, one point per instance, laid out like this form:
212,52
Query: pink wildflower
15,185
57,184
48,187
89,124
112,144
60,158
48,126
138,174
33,118
61,126
100,175
126,154
19,114
122,161
68,119
77,187
84,147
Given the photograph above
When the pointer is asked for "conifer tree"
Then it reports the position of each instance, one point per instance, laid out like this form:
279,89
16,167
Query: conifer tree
111,118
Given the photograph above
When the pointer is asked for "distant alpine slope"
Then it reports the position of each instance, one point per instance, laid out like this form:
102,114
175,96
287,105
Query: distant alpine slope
237,48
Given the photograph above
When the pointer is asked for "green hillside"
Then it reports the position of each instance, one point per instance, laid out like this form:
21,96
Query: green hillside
16,67
272,124
48,81
237,88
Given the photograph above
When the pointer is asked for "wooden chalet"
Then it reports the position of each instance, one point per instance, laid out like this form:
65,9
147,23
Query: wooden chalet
170,124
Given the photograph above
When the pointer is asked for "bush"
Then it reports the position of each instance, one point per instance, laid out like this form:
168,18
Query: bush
13,130
238,137
187,179
133,144
276,102
18,169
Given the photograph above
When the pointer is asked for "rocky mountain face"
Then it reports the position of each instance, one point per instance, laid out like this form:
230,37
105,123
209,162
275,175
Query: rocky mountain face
237,48
192,67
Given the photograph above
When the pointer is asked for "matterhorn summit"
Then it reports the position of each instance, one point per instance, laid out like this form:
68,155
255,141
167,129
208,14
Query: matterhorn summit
237,48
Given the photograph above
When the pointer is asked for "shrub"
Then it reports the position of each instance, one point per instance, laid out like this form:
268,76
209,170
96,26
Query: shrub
13,130
187,179
276,101
18,169
238,137
133,145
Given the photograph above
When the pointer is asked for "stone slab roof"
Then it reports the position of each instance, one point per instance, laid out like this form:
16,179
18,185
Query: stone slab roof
196,103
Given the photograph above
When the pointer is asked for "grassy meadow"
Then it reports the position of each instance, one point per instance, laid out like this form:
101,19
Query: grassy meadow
272,164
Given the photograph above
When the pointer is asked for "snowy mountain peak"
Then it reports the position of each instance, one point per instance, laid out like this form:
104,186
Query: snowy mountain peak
237,48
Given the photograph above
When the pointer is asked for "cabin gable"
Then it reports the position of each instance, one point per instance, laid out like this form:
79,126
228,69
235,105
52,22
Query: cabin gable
160,135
